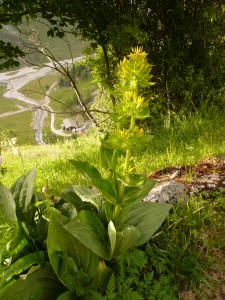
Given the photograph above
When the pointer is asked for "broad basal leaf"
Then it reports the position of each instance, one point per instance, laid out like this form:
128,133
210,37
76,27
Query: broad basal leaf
41,285
67,295
60,241
101,278
87,195
126,238
136,194
87,170
7,205
22,190
70,196
21,265
147,217
107,190
89,230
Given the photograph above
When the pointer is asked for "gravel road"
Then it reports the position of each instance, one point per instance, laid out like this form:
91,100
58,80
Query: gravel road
14,80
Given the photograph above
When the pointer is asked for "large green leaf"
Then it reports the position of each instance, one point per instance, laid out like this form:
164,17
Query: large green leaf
21,265
60,241
87,194
136,194
7,205
147,217
87,170
89,295
40,285
133,180
22,190
70,196
67,270
105,186
67,295
107,189
126,238
89,230
101,278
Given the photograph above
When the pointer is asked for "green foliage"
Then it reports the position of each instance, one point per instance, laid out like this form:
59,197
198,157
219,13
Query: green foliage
42,284
23,230
111,219
102,76
134,279
9,55
192,232
79,71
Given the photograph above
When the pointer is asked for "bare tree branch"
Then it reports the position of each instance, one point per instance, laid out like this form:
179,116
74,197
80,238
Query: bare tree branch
62,68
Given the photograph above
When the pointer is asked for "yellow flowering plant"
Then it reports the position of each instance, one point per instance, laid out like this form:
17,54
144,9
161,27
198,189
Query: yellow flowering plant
111,217
105,219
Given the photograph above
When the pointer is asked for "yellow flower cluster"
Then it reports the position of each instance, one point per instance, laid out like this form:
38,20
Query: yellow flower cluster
134,70
125,134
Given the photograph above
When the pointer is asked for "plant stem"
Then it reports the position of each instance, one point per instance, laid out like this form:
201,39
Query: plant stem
126,167
116,212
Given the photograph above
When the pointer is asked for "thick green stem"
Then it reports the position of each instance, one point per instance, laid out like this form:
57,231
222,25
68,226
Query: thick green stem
126,168
114,161
116,211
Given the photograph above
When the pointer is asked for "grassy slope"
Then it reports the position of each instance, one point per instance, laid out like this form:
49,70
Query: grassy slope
9,104
51,162
61,51
186,142
20,125
36,89
197,228
57,46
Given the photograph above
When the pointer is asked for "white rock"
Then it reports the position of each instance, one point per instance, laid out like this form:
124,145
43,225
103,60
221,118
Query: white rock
167,191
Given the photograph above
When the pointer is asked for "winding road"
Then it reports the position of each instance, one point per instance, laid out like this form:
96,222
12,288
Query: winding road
14,80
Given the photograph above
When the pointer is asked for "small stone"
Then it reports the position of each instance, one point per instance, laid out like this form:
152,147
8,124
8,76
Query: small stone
167,191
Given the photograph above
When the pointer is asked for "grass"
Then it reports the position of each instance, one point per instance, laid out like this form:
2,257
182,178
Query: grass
189,252
37,88
20,125
8,104
51,162
64,98
57,46
188,140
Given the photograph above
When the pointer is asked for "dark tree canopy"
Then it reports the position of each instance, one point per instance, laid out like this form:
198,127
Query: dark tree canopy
184,38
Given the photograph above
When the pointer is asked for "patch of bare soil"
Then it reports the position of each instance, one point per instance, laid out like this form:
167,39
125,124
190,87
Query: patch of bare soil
206,176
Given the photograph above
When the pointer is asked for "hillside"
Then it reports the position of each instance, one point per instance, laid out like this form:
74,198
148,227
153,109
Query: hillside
38,29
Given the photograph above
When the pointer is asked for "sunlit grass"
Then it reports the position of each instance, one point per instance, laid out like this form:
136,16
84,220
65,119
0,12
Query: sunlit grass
188,140
51,162
20,125
36,89
8,104
64,99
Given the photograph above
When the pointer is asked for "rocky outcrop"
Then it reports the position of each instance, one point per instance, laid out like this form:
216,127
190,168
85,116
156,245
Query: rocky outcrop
168,191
